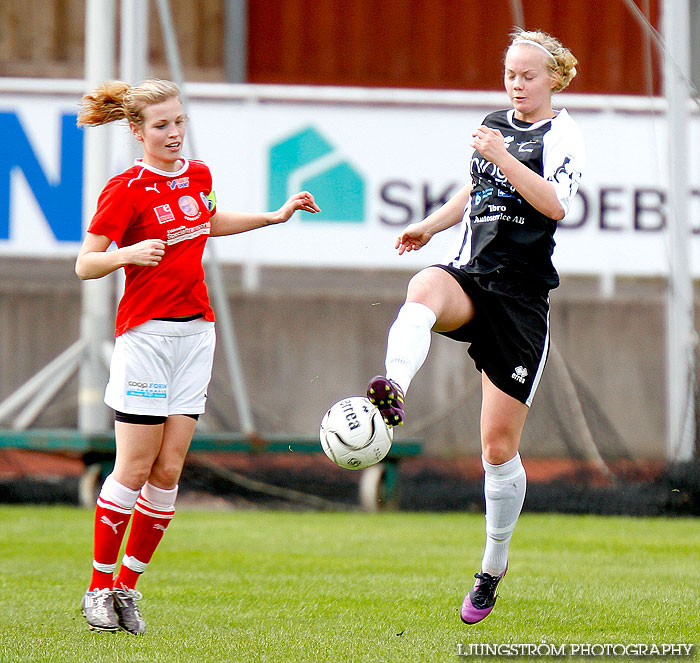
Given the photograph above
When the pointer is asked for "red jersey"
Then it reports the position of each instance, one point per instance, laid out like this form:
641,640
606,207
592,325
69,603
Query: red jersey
146,203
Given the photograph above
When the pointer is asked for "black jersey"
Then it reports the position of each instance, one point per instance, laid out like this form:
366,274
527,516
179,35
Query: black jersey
506,239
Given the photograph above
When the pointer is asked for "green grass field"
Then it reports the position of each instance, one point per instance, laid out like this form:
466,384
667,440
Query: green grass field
309,586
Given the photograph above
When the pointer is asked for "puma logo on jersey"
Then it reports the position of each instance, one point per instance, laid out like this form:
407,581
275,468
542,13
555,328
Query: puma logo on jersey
153,188
106,521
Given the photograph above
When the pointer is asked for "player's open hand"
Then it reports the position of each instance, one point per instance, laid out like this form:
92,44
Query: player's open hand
147,253
412,238
303,201
489,143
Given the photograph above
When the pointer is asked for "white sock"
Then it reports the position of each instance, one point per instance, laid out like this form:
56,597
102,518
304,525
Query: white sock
163,498
116,493
408,343
504,489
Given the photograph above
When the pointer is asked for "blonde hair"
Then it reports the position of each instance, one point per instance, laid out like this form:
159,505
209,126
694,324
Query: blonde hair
562,64
116,100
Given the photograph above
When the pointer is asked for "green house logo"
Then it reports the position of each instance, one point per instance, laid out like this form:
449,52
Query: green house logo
306,160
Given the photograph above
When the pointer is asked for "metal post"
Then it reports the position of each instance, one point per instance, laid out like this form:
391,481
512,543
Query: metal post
42,383
516,10
96,320
133,49
681,334
694,46
225,328
133,63
236,41
133,54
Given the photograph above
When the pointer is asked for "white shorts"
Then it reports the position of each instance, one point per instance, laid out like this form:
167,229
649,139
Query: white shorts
161,368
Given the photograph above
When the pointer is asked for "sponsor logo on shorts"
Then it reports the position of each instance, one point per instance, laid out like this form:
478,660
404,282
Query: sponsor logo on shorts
519,374
143,389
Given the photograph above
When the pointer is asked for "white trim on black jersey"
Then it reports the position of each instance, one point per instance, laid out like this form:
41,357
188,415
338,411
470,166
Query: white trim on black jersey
541,365
501,232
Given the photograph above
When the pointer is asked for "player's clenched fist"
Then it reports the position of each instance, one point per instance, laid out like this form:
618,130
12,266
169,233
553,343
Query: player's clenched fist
147,253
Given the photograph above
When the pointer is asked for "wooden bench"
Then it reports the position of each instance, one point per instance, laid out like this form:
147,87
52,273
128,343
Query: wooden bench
378,488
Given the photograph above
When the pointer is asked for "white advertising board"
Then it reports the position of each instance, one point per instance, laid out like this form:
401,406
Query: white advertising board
376,161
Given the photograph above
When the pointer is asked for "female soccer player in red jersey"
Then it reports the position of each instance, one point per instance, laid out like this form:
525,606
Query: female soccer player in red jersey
493,294
159,213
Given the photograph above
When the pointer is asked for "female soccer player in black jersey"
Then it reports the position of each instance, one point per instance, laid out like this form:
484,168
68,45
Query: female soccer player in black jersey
493,294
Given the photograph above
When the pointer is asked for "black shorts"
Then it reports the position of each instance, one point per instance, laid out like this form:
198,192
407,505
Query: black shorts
509,334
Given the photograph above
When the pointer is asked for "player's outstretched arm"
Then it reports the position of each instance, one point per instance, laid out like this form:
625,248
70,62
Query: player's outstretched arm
418,234
94,261
232,223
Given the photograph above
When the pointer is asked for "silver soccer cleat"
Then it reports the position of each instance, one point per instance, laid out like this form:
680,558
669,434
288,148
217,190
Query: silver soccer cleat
128,613
98,610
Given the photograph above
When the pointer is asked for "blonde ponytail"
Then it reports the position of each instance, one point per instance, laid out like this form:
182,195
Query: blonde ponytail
103,105
116,100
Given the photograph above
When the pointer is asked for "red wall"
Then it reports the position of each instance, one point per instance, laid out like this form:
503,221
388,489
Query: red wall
456,44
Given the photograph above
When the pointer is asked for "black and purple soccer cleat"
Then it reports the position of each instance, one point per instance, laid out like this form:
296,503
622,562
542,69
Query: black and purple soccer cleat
481,599
388,397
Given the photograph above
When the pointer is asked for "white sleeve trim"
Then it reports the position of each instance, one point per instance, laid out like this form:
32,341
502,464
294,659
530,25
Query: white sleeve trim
564,158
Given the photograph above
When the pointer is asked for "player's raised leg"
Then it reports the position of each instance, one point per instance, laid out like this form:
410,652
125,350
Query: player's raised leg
434,301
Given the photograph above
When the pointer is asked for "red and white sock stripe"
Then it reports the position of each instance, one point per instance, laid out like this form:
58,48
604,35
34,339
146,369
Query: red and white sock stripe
112,512
154,510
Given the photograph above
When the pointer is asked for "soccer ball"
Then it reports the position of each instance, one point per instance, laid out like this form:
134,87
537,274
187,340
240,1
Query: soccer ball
354,435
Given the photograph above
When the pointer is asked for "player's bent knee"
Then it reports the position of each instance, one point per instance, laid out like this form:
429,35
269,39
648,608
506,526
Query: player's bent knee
131,478
441,293
420,289
166,474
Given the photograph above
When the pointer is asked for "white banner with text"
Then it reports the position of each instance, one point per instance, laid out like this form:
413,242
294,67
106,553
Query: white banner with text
376,161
